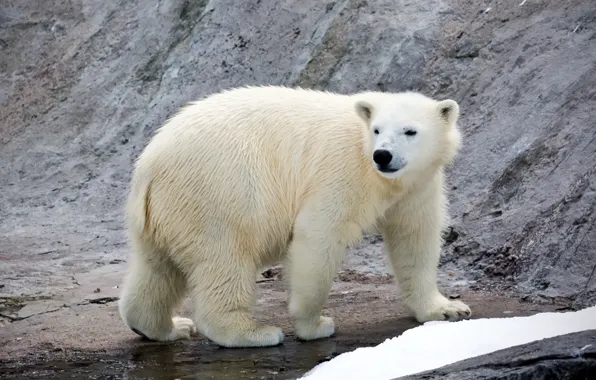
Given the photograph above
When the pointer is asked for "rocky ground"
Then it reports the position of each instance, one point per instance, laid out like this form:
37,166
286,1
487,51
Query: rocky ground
81,335
84,84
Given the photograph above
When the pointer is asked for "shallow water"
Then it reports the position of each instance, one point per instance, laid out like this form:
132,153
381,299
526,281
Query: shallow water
199,359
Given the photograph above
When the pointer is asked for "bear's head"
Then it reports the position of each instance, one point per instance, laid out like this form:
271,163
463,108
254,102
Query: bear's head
409,132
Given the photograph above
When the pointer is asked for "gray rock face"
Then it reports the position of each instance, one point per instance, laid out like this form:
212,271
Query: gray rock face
569,357
83,84
524,186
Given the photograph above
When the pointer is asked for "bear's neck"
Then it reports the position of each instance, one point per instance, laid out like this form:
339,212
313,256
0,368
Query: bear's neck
395,189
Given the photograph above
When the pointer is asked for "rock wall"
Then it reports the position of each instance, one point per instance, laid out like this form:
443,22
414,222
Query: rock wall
83,84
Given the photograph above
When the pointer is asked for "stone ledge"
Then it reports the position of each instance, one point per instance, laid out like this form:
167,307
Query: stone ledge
571,356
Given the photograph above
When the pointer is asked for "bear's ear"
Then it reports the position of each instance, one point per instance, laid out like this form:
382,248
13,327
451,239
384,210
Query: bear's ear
364,110
449,110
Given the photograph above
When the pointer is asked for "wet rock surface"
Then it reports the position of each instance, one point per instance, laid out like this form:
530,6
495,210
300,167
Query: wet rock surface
84,84
571,357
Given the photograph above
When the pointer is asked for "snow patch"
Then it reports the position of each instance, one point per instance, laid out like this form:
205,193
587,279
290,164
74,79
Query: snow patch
436,344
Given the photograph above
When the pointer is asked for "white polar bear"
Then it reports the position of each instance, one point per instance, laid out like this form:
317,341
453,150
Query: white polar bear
256,175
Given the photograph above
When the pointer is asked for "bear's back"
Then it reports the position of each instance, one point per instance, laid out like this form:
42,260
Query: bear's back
284,134
246,159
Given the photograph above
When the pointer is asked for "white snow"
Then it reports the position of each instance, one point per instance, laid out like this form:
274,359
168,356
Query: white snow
436,344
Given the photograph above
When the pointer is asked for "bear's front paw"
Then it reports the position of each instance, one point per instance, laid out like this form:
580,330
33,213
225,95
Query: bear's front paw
443,309
182,329
324,327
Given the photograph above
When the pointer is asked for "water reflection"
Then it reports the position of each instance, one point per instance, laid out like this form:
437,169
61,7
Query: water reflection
200,359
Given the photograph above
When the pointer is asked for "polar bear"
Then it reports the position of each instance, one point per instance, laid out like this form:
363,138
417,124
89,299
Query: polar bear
253,176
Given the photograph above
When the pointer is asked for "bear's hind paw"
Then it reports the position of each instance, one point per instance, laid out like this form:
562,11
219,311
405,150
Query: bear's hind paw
262,336
182,328
268,336
307,331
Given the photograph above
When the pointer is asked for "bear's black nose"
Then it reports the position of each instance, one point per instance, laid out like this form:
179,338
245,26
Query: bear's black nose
382,157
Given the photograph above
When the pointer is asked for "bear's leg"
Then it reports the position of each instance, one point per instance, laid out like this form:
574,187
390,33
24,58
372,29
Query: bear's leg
224,294
412,237
151,292
313,257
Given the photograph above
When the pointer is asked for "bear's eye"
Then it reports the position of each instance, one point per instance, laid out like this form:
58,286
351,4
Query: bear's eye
411,132
376,131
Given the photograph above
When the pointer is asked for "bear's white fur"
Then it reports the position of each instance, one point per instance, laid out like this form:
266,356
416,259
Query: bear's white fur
256,175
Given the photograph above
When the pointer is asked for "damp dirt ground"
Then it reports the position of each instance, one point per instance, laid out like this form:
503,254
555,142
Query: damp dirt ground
85,339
